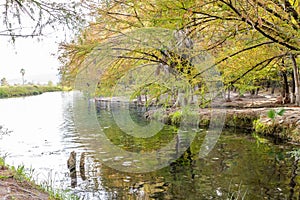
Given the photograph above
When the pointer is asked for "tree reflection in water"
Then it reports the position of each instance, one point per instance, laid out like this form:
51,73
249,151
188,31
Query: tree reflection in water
237,167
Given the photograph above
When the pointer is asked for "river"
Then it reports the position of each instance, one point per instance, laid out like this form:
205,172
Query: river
45,131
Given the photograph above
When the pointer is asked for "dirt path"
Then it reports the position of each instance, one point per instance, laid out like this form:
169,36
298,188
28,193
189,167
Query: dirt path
13,189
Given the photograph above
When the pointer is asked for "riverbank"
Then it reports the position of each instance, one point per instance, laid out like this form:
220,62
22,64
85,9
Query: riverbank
26,90
250,113
14,184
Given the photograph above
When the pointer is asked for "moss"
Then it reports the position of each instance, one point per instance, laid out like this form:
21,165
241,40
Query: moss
204,122
245,119
240,120
262,128
276,130
176,117
295,134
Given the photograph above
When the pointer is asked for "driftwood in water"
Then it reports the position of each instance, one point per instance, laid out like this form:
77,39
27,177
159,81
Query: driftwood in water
72,168
82,166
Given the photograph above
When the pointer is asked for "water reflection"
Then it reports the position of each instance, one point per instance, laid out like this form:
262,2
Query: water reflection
115,140
237,168
36,139
44,135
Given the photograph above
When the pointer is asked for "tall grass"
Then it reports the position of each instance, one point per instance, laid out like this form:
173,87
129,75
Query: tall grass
21,174
236,193
27,90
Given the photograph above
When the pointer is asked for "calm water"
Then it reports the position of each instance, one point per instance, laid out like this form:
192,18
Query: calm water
46,128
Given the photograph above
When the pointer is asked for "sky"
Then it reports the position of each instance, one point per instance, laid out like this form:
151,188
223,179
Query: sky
35,56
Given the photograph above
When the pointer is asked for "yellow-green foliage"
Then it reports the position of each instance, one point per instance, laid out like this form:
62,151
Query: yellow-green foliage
2,163
264,128
273,129
176,117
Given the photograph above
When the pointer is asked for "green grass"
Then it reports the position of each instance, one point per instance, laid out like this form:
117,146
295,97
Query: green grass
20,174
27,90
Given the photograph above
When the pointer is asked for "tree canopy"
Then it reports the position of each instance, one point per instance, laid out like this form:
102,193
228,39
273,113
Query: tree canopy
253,42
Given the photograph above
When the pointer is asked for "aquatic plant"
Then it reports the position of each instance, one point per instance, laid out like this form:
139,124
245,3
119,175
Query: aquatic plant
259,140
272,114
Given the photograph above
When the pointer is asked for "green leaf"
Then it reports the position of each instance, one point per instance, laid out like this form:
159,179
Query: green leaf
271,114
281,112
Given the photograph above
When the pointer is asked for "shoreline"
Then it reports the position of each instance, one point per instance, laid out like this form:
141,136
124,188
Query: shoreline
247,112
15,184
251,115
26,90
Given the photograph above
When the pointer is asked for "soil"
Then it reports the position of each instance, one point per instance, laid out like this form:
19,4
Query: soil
13,189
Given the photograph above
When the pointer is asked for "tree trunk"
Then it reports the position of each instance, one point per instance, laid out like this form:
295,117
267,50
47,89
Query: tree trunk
293,97
256,92
297,80
285,89
228,95
273,87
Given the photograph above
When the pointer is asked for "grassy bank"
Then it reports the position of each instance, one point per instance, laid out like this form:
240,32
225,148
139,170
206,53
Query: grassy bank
27,90
17,184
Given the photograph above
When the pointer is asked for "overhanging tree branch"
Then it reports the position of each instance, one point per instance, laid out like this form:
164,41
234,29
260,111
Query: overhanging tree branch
264,64
232,55
255,25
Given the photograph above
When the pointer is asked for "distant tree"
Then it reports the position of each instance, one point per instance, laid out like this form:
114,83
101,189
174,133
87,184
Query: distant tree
22,71
50,83
4,82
